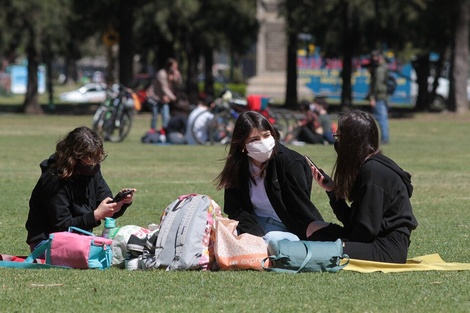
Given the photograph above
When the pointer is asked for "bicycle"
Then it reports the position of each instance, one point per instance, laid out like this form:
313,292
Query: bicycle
227,109
113,118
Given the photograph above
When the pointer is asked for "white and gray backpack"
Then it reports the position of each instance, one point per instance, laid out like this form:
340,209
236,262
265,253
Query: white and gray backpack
185,238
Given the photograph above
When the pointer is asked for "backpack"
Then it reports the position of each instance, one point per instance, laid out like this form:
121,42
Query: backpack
150,137
391,83
186,235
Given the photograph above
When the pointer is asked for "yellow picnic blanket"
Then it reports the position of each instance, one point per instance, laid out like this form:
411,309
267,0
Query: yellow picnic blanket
430,262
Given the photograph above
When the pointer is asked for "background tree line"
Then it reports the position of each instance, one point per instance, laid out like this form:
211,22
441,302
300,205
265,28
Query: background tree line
192,30
412,29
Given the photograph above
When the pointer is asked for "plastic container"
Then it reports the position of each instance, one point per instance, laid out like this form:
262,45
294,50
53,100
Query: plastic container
109,226
152,227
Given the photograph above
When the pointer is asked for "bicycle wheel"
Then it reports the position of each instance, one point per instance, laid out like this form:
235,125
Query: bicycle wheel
281,123
294,128
221,128
117,130
100,118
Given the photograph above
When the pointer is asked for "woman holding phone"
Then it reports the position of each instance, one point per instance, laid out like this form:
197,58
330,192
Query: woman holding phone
369,194
71,190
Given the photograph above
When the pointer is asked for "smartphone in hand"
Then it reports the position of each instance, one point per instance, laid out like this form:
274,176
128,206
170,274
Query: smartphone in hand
310,162
121,195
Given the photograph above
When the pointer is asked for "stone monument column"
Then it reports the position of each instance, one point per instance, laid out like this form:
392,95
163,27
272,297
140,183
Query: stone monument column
271,54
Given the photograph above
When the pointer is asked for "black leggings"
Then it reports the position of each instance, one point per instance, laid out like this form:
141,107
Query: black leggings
392,248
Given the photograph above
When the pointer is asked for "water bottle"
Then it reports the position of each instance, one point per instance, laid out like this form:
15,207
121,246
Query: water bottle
109,224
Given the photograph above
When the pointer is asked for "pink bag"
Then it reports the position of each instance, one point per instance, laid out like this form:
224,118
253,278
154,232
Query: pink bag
81,250
237,252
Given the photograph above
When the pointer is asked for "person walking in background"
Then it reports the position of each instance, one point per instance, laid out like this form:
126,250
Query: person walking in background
378,221
267,185
378,97
162,93
71,190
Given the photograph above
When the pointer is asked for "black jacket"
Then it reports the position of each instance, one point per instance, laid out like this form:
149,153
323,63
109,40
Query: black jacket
382,203
288,185
56,204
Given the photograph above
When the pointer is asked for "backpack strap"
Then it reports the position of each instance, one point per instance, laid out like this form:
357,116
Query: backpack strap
165,228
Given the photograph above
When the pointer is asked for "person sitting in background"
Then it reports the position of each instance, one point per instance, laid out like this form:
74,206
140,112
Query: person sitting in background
378,222
71,190
320,107
176,128
198,122
310,130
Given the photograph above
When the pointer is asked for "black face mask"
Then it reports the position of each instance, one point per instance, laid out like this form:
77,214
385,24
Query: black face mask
86,170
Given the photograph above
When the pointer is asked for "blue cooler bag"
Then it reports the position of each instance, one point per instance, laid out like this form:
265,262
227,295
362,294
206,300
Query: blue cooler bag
305,256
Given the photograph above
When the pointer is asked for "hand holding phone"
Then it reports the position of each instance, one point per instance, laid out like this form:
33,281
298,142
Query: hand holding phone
310,162
121,195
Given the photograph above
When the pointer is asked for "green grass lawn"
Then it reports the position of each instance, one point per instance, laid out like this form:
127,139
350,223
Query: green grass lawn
433,148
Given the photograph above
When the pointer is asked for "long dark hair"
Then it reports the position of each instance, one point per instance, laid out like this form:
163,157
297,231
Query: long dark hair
358,138
236,163
81,143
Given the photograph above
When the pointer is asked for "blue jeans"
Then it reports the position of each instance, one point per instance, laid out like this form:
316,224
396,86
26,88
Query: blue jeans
279,235
275,230
380,112
159,107
270,224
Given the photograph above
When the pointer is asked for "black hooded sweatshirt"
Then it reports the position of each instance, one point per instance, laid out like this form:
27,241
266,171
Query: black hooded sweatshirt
381,204
56,204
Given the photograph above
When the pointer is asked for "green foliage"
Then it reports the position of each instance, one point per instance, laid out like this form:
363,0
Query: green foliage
405,27
431,147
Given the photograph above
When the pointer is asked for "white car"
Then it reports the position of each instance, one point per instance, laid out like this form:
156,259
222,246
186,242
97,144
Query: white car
442,92
89,93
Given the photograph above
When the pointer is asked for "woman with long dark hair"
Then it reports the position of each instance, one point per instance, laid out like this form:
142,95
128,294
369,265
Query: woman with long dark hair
378,220
71,190
267,186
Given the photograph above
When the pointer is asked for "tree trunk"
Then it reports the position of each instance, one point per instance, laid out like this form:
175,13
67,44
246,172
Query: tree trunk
110,69
49,83
291,78
460,66
421,66
346,92
126,56
208,76
192,88
31,101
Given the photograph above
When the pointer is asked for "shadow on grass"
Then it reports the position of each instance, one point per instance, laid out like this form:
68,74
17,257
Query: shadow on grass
59,109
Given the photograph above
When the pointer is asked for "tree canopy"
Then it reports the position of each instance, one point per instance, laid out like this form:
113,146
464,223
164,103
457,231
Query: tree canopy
44,31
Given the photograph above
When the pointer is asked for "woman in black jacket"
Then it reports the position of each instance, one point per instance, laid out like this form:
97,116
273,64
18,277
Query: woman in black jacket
379,219
267,186
71,190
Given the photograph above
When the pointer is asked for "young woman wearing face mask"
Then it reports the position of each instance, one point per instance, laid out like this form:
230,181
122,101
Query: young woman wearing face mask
371,196
71,190
267,186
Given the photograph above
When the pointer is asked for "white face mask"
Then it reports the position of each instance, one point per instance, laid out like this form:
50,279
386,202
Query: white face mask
261,150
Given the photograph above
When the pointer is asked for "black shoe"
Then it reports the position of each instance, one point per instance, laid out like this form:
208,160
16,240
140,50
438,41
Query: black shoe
136,245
